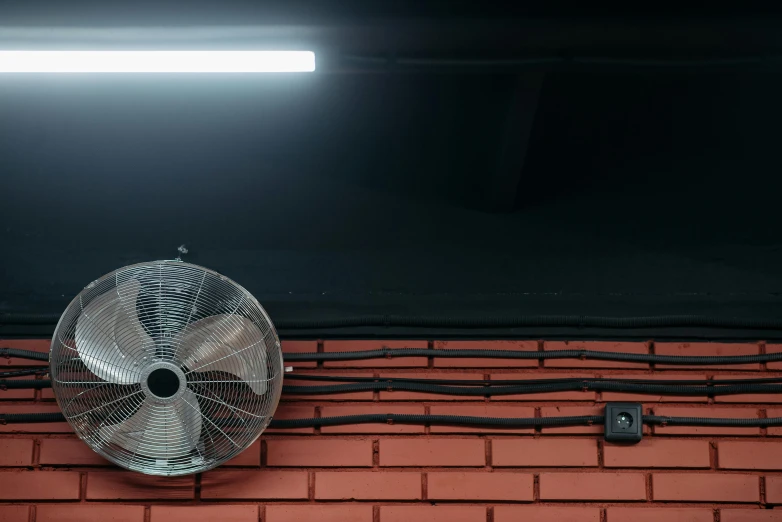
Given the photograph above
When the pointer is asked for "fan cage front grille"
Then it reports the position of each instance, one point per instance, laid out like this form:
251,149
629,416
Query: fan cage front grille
213,341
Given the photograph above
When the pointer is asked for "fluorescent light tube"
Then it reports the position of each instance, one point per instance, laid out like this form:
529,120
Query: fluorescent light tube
156,61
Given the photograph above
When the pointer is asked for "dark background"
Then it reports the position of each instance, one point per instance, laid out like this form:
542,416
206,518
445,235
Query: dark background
645,190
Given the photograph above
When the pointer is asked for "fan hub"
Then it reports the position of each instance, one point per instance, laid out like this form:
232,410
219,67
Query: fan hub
163,382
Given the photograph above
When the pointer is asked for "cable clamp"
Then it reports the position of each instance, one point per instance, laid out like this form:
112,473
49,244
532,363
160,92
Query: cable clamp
3,387
582,355
3,421
390,420
387,353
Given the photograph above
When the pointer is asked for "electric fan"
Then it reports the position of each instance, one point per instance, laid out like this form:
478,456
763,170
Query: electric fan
166,368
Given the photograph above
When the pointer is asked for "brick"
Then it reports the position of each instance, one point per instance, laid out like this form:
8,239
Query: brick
747,398
249,457
299,347
569,411
710,412
527,346
658,453
433,513
774,348
577,395
69,452
16,452
355,346
47,394
592,486
546,514
750,515
705,349
367,485
39,485
480,410
286,411
35,345
33,427
88,513
705,487
320,512
600,346
255,485
659,376
544,452
373,408
419,396
291,379
479,486
126,485
749,455
319,453
432,452
774,490
203,513
14,513
669,514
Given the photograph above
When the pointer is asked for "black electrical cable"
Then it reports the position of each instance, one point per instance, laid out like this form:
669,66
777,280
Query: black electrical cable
701,421
483,382
528,354
18,418
13,418
24,354
492,354
652,389
490,321
670,389
24,371
518,422
449,420
703,388
596,355
24,383
452,420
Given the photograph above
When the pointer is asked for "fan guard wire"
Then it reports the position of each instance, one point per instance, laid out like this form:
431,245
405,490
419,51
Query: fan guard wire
166,368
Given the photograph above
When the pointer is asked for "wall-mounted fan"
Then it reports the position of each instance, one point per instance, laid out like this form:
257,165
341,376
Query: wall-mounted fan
166,368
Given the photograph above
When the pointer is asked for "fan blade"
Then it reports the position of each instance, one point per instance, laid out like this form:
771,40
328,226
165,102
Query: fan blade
159,431
224,343
110,339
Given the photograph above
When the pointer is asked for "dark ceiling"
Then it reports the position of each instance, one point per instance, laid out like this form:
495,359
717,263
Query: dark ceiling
444,171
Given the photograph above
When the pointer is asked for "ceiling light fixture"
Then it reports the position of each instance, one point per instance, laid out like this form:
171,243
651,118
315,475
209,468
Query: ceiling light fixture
156,61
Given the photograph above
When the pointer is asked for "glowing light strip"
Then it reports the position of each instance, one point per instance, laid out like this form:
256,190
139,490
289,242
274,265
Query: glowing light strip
156,61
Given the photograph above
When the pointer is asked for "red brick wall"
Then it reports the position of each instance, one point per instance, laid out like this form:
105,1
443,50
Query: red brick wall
393,473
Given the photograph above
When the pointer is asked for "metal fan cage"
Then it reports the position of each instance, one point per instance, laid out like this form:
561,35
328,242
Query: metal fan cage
166,368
